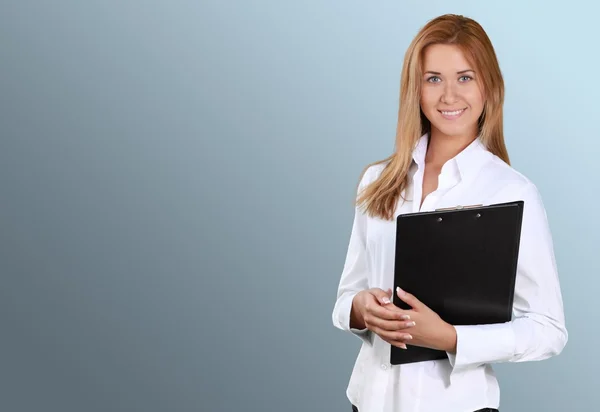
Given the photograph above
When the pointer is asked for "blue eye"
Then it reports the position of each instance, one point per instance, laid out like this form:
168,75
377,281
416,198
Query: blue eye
431,79
467,78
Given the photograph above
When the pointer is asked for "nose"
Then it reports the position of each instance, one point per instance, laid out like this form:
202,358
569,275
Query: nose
449,95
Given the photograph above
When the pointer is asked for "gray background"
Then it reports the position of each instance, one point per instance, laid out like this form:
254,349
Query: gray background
177,179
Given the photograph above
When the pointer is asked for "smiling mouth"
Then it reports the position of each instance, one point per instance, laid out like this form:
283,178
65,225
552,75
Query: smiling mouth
452,114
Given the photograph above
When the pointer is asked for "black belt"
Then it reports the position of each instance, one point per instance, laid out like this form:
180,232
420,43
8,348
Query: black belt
355,409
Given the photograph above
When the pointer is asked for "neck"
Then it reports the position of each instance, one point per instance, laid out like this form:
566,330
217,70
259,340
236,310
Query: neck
442,148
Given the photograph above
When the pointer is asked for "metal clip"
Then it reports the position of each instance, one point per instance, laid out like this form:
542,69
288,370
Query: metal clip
459,207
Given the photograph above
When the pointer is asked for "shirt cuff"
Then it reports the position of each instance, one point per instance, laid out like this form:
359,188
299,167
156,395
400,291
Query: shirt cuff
343,322
481,344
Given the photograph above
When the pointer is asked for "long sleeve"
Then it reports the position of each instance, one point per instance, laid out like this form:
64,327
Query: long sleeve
354,277
537,330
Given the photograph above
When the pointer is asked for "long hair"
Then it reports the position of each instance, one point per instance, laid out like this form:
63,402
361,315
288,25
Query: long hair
381,196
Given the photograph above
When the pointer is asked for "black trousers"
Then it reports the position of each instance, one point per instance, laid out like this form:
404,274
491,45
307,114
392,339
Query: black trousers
355,409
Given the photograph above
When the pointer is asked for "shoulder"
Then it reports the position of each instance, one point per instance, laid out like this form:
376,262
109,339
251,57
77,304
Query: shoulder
501,173
371,172
509,183
500,170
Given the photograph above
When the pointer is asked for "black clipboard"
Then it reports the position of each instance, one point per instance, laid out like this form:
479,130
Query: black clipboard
461,262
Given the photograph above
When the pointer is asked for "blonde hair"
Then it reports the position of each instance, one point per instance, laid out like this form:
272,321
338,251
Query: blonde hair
381,196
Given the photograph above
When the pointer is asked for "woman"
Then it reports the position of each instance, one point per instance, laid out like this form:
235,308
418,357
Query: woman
449,151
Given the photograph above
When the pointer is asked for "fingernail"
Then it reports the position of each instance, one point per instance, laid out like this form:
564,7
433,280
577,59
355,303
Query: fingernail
403,346
408,337
385,300
400,291
410,323
405,317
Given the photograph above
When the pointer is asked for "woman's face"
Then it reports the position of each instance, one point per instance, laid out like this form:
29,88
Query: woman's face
451,97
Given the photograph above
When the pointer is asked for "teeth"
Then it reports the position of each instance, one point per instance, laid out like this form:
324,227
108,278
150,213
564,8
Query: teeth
454,113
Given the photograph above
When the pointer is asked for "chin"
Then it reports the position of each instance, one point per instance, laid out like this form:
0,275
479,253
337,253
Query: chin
454,130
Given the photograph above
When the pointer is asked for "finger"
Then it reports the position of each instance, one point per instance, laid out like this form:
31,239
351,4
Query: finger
391,312
385,300
397,340
382,296
388,298
408,298
387,325
399,344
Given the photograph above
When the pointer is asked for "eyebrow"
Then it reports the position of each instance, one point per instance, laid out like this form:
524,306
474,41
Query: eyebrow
460,72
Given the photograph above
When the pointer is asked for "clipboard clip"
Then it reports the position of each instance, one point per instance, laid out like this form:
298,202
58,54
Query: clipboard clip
458,207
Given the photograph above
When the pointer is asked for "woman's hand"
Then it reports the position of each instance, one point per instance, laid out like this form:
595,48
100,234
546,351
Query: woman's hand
429,330
373,309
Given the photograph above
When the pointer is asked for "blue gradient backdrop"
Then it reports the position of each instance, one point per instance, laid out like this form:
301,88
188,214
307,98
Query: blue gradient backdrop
177,179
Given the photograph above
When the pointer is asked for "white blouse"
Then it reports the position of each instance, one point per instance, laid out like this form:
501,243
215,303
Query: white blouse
466,381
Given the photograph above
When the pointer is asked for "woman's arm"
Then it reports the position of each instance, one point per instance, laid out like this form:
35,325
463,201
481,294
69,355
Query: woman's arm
354,276
537,330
